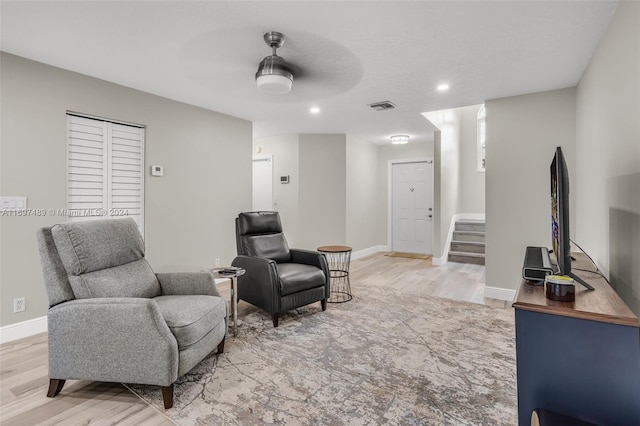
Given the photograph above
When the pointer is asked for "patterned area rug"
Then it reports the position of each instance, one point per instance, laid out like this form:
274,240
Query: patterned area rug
378,359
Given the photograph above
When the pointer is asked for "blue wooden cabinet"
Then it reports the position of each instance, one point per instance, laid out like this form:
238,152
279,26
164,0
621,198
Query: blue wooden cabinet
581,358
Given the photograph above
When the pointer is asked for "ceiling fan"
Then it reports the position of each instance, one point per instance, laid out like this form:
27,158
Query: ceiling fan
274,75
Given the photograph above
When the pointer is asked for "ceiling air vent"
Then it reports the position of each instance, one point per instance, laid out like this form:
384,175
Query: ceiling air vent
382,106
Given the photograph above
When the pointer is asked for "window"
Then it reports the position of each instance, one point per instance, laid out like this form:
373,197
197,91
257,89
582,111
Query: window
105,170
482,132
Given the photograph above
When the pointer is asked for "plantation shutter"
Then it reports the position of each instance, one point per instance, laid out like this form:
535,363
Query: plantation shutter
105,170
126,171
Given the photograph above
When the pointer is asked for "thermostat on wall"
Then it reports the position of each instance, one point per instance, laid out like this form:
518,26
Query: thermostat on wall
284,179
157,171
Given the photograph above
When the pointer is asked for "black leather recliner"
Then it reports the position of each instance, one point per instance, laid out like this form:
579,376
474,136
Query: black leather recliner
277,278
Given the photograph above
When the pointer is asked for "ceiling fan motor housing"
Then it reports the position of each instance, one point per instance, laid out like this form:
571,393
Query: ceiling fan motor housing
274,39
274,74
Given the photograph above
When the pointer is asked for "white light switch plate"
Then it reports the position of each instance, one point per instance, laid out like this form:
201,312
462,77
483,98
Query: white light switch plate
13,203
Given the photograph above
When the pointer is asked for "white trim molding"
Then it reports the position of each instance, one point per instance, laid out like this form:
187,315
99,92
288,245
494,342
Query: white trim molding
452,226
499,293
370,250
23,329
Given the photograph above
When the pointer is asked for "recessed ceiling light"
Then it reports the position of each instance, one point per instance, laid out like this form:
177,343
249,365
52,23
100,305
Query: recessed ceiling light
314,110
442,87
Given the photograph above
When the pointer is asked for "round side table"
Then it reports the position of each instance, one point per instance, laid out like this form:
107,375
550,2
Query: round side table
338,259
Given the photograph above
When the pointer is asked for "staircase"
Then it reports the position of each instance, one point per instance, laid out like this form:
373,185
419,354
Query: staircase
467,244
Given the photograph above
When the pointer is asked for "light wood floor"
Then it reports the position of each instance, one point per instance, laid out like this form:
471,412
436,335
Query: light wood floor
23,363
458,281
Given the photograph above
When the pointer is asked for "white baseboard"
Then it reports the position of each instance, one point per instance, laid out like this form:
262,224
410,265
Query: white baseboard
499,293
23,329
438,261
366,252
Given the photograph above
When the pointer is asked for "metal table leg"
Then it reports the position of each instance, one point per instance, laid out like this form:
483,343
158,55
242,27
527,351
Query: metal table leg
234,304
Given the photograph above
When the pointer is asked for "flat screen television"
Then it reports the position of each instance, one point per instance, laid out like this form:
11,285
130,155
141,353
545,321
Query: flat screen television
560,236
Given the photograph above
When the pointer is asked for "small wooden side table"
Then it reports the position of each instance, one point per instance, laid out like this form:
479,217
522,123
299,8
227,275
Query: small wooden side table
338,259
232,273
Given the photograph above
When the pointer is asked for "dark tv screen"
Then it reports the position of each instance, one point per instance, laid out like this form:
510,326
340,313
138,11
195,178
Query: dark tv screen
560,212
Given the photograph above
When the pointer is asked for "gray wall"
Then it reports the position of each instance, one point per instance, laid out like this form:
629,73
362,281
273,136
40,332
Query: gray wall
322,192
450,178
313,206
189,212
345,186
448,186
438,237
458,186
284,149
362,194
522,134
607,209
472,187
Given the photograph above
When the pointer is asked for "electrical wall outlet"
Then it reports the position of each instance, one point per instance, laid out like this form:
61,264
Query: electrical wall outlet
217,263
19,304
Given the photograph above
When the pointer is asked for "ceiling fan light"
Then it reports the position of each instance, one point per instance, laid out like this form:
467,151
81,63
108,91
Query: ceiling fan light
274,76
399,139
274,84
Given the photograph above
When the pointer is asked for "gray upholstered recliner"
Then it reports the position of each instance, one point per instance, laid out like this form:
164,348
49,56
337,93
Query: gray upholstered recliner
277,278
112,319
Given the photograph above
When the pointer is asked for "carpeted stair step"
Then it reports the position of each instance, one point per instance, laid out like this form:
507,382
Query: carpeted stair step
462,257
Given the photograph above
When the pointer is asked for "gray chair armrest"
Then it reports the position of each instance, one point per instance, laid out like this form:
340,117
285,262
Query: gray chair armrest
188,283
260,284
111,340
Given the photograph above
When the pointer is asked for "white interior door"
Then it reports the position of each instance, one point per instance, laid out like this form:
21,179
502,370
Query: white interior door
412,207
262,183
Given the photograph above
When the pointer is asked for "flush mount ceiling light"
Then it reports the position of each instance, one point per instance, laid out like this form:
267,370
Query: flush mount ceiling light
443,87
399,139
274,74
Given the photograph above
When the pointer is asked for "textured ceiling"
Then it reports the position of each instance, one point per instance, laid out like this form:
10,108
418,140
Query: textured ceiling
349,54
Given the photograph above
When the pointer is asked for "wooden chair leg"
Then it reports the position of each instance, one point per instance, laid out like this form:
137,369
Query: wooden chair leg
275,318
221,346
167,396
55,386
323,303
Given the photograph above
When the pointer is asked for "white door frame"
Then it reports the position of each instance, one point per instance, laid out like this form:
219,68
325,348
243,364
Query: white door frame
390,195
262,157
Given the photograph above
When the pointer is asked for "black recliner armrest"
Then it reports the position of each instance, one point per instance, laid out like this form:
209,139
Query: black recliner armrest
314,258
308,257
260,284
